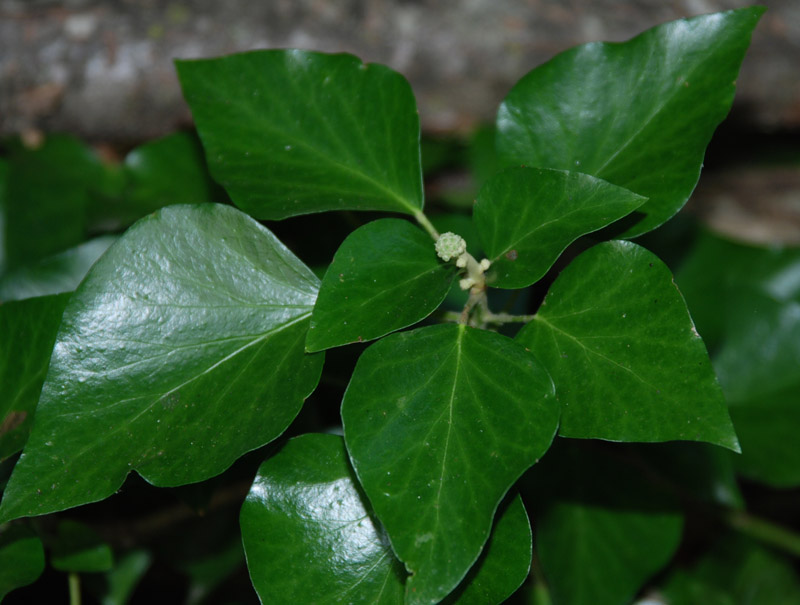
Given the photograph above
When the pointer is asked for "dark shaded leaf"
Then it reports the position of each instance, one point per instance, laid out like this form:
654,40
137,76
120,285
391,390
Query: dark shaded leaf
601,530
747,301
21,558
28,331
736,572
78,548
47,193
61,272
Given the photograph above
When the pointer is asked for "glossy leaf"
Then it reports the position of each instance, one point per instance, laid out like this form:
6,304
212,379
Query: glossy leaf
526,217
385,276
46,198
736,571
28,331
439,423
61,272
304,511
638,114
21,558
600,533
289,132
305,504
628,364
182,350
78,548
747,300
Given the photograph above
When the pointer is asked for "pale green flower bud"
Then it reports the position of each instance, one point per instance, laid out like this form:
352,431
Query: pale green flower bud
449,245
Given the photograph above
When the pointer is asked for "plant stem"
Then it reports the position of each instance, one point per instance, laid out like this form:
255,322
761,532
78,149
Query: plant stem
426,224
74,588
764,531
506,318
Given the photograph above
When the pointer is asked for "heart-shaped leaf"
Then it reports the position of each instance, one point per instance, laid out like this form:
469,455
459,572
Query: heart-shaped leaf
439,423
616,337
638,114
305,503
385,276
289,132
526,217
180,351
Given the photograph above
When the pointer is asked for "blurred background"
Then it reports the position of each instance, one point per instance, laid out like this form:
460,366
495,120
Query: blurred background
102,70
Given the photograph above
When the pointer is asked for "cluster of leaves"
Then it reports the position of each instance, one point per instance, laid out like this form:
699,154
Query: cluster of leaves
197,335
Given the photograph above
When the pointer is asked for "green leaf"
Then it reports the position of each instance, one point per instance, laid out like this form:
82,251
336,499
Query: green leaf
124,577
600,533
289,132
638,114
305,503
21,558
208,573
757,366
28,331
747,300
303,506
169,170
736,572
46,198
526,217
439,423
180,351
385,276
61,272
78,548
628,364
504,563
696,471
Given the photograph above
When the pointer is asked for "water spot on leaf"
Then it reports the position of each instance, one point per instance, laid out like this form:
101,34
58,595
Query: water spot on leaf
511,255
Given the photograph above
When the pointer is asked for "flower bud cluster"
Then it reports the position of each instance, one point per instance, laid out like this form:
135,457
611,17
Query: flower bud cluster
449,246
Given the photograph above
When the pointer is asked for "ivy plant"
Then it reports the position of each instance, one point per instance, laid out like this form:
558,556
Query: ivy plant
197,335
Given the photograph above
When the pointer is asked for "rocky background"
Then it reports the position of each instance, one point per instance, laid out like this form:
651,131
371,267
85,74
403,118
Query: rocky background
103,69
